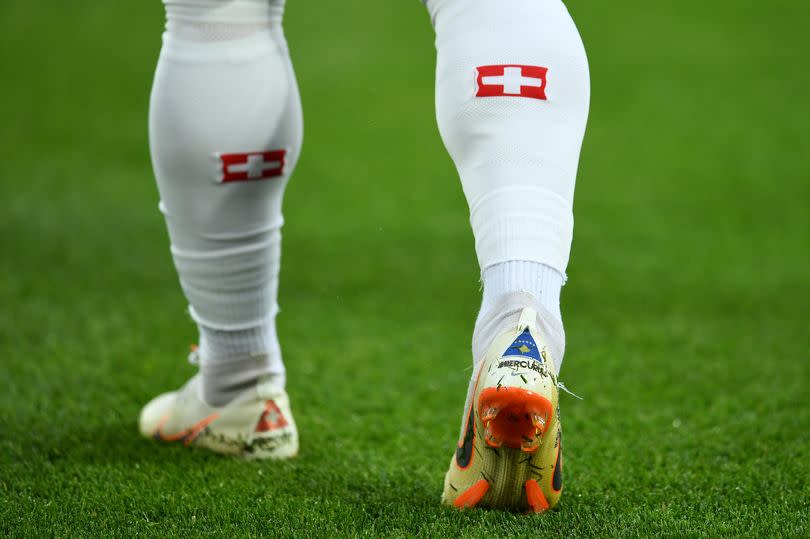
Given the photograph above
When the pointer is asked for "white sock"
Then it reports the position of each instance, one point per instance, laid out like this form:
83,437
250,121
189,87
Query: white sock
225,133
512,92
539,280
225,346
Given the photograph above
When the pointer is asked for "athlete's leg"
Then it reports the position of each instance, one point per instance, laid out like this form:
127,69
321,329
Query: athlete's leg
512,93
225,132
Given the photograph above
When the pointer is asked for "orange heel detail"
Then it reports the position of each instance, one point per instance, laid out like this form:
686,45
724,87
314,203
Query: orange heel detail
534,494
514,417
471,496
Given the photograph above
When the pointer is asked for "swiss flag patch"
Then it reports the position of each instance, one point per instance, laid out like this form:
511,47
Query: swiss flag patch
271,418
239,167
511,80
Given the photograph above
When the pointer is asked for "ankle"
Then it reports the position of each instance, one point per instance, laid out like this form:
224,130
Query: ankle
538,280
223,381
505,313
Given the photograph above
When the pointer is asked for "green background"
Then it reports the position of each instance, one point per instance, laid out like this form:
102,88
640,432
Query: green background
686,308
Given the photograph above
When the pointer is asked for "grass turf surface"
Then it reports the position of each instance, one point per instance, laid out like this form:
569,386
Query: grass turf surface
686,309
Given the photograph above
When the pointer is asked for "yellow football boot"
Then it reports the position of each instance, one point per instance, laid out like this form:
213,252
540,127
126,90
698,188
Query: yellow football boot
510,452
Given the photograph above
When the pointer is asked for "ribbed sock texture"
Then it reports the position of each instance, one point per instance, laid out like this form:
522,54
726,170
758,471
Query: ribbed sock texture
228,354
538,280
219,345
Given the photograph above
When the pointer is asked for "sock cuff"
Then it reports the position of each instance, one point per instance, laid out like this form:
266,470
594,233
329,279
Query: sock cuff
541,281
233,350
222,381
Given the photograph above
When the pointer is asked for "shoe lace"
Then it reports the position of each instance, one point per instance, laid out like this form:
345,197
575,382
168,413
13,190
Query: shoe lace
562,386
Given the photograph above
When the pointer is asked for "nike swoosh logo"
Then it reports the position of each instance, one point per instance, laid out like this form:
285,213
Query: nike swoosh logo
464,452
557,479
187,435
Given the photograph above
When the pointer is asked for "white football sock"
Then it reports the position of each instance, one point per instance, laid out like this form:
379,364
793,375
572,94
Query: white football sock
220,345
225,133
539,280
512,91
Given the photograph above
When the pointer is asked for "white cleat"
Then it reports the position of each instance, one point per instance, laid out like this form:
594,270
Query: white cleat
257,424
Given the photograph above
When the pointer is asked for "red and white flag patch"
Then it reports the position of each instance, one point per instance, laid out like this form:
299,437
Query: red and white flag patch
239,167
512,80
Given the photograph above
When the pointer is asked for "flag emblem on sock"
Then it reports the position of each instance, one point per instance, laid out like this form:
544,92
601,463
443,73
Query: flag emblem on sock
271,419
511,80
524,346
239,167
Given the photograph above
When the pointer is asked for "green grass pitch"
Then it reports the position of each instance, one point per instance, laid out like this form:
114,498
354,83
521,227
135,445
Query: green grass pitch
686,308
